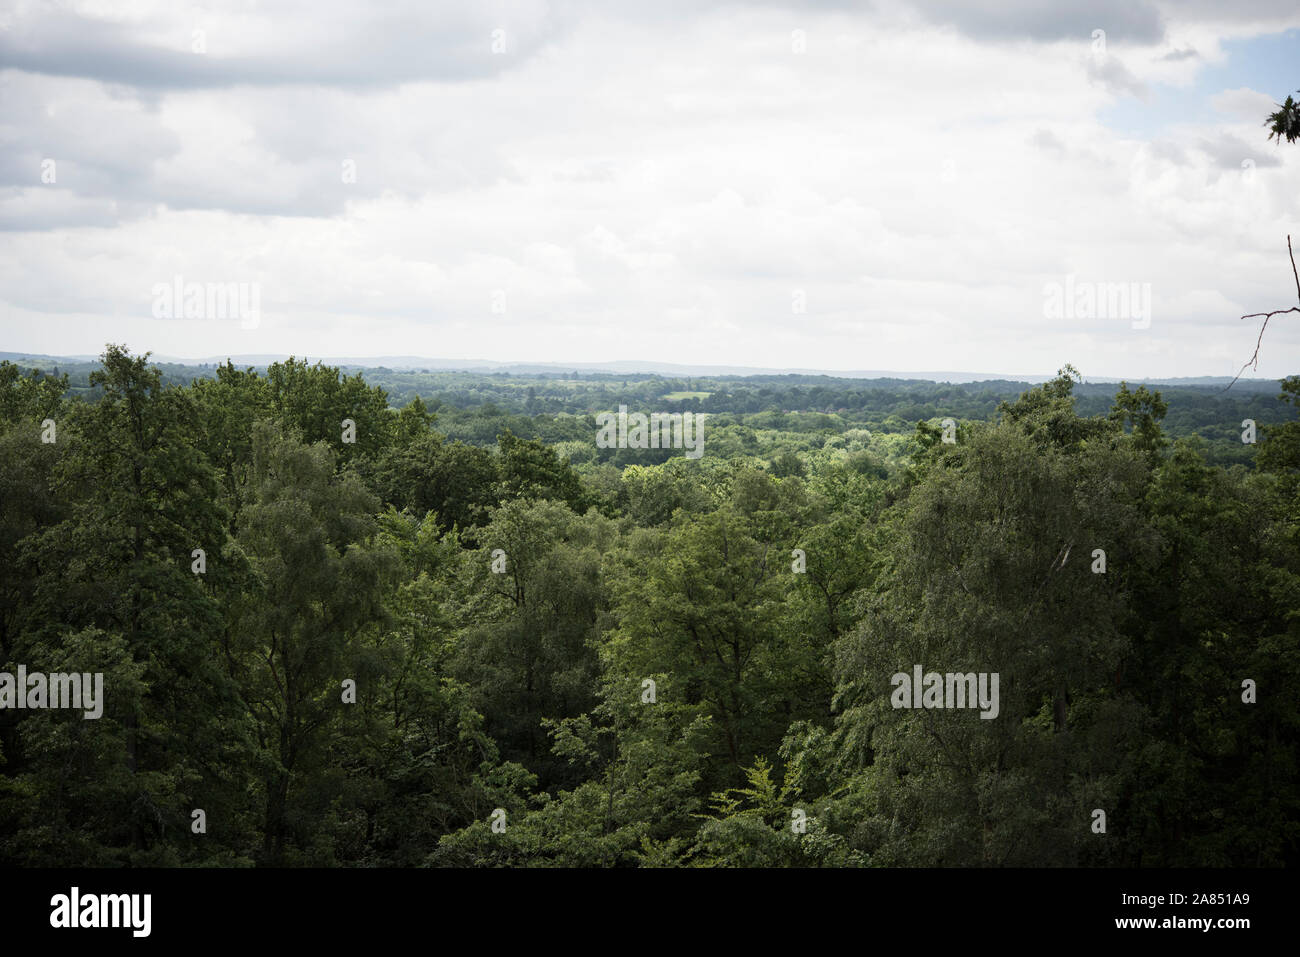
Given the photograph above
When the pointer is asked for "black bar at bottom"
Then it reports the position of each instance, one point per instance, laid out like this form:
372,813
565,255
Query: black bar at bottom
563,907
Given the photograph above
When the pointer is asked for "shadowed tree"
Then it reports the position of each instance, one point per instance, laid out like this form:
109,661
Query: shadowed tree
302,623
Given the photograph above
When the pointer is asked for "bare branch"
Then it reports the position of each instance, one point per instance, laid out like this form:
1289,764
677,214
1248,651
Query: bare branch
1293,272
1254,359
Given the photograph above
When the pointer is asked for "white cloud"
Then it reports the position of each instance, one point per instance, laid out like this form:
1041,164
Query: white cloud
658,188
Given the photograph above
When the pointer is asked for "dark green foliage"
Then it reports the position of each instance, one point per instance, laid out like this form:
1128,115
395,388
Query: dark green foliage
572,656
1285,122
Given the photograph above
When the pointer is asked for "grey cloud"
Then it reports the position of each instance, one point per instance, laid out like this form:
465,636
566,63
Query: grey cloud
45,207
387,44
1125,21
116,160
1228,152
311,100
103,154
102,147
1132,21
1239,11
1047,140
1115,76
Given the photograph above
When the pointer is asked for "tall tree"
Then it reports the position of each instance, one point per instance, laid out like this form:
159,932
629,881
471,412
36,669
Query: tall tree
302,625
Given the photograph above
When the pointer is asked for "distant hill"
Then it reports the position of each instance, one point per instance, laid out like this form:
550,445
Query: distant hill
635,367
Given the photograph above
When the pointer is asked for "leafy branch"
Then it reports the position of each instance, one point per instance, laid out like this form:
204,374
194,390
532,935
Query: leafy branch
1286,121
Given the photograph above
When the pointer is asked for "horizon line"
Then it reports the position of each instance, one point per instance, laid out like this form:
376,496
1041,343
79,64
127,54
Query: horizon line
621,366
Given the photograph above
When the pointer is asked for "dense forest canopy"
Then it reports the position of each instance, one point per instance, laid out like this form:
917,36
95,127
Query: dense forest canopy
786,413
401,618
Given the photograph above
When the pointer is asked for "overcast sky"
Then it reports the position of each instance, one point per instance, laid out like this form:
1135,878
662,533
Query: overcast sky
834,185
